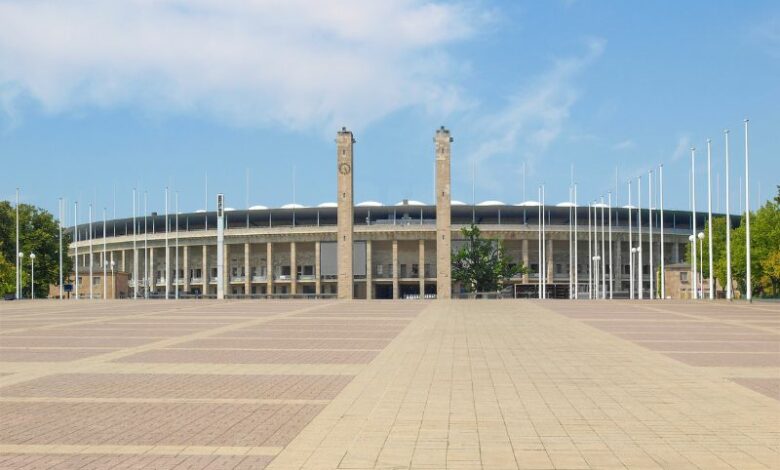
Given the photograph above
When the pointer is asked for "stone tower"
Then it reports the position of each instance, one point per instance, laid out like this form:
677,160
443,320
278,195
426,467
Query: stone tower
344,144
443,203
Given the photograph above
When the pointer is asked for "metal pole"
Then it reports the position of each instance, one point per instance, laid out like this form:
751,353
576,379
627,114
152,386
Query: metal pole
590,256
611,266
693,219
709,216
639,264
167,249
16,254
663,262
748,280
76,245
544,248
176,277
135,250
651,294
602,260
571,250
105,258
32,276
539,236
91,261
576,258
728,222
62,211
146,249
630,247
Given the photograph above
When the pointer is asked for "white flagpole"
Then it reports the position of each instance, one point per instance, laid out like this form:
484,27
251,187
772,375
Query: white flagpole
603,259
91,295
663,262
748,280
651,293
539,251
639,264
16,254
167,249
76,245
576,258
728,222
135,250
630,247
571,249
611,266
709,216
590,256
693,221
544,248
146,250
62,210
105,258
176,277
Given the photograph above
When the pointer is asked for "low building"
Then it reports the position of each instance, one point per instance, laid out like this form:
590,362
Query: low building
116,285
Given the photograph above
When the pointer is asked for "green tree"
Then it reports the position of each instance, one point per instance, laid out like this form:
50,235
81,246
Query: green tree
39,234
481,265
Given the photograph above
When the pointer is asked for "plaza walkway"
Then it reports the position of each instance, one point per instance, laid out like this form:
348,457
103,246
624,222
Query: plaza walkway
404,384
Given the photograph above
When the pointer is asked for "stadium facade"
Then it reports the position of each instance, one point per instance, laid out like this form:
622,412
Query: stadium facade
376,251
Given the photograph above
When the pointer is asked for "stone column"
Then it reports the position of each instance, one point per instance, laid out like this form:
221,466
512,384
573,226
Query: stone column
524,248
395,269
618,274
186,268
443,215
293,269
205,268
124,260
369,272
317,269
345,212
421,265
269,268
247,273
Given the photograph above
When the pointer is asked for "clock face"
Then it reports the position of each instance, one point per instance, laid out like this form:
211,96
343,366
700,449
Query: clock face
344,168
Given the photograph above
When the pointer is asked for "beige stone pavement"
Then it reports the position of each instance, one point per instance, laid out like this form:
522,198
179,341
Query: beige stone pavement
471,385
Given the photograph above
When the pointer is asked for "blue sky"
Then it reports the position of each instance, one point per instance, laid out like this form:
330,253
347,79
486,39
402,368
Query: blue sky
148,94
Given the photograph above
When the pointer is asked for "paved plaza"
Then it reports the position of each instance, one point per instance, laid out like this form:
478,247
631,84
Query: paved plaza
389,384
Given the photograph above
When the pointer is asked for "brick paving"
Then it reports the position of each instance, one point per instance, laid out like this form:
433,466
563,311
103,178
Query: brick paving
407,384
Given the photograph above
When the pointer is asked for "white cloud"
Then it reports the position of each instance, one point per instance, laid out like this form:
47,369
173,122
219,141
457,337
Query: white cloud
298,63
534,117
682,149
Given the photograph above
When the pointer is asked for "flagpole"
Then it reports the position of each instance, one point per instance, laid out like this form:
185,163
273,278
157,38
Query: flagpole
651,293
709,216
91,295
603,258
539,250
76,244
590,256
611,266
693,221
576,258
630,247
544,248
640,267
663,262
146,249
167,249
60,254
728,222
135,250
571,248
16,254
105,259
748,280
176,277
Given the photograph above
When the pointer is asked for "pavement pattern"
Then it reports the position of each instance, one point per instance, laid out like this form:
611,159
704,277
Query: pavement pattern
389,384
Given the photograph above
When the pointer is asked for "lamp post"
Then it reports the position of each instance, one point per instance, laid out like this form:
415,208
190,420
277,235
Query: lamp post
692,239
32,276
19,263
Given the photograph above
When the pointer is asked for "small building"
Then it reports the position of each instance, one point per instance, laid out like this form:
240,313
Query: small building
679,285
117,285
